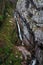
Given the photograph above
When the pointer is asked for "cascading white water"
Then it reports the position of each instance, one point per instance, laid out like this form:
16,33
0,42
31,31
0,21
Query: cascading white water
19,31
18,27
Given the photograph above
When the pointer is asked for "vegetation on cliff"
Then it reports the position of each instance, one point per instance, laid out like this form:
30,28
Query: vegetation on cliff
8,35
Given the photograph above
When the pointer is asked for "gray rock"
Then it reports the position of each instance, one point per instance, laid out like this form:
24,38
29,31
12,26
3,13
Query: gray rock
29,14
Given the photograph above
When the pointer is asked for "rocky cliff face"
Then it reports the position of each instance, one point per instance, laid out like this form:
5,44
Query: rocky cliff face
29,10
29,15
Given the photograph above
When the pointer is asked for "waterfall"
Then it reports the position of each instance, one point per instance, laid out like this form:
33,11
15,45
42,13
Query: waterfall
19,31
20,36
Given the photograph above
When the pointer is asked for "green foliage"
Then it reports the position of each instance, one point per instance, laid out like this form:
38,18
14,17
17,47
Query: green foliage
9,35
1,18
7,57
12,60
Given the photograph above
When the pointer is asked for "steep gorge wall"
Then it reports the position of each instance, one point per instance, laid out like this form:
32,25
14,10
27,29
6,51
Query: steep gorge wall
32,11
